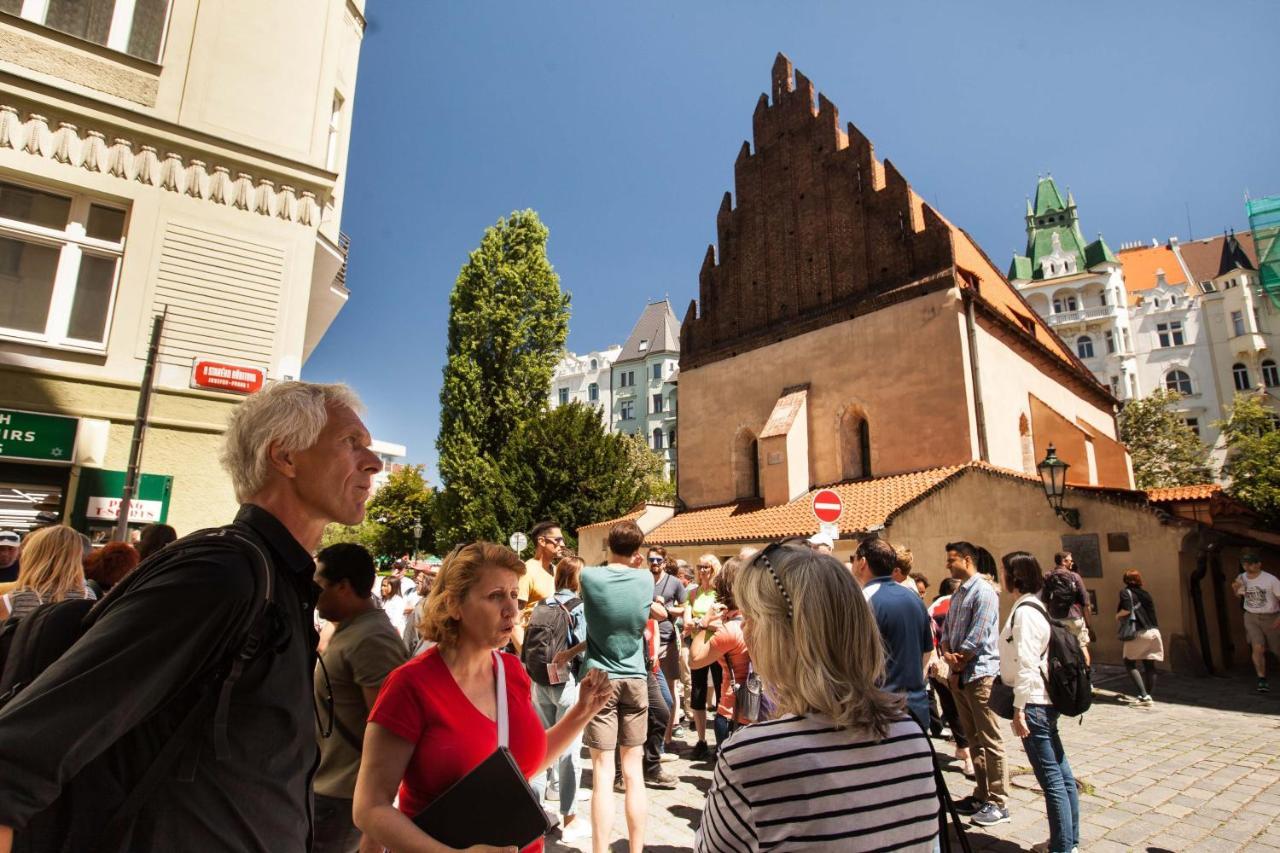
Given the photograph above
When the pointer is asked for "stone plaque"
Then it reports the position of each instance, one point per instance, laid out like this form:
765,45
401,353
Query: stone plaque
1087,551
1117,541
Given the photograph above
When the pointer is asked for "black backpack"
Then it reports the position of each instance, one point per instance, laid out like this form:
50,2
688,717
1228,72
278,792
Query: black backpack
1059,595
1067,678
31,644
549,633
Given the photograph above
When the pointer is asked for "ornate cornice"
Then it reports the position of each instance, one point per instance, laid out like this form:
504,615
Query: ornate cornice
93,151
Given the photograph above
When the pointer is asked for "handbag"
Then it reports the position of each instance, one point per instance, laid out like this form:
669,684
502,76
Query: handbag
1001,699
1128,627
464,815
748,696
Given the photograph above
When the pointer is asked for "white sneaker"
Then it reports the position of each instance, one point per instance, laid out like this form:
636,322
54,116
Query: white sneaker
579,829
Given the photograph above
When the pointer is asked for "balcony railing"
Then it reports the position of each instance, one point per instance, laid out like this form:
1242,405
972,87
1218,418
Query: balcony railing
344,246
1064,318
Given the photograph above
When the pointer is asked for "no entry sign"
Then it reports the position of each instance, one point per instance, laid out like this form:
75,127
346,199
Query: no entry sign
827,506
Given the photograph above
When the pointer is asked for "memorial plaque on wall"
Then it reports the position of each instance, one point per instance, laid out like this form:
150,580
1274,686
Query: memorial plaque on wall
1117,541
1086,549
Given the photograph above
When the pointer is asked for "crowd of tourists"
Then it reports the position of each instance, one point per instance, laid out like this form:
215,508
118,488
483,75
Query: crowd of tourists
241,688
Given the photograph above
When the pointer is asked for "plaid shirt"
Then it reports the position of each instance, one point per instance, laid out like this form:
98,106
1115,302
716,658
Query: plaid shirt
972,626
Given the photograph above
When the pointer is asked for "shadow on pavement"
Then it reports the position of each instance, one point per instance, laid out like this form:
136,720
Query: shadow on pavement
987,843
689,814
1228,692
620,846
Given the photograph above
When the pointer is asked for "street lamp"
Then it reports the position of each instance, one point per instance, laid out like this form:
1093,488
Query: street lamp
417,537
1053,477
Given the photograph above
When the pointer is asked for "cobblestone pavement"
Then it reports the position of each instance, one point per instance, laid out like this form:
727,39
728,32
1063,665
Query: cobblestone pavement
1198,771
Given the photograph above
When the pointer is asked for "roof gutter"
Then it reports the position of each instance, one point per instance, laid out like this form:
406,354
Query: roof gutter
979,414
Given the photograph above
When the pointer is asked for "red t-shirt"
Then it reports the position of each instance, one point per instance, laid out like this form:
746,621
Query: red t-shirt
421,703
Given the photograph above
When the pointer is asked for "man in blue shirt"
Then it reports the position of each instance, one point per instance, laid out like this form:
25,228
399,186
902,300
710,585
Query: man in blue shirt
969,648
904,625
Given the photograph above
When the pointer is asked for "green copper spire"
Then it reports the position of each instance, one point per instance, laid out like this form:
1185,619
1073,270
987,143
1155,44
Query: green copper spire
1048,199
1055,244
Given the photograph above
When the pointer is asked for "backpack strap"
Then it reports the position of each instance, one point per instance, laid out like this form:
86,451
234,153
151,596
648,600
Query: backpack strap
212,696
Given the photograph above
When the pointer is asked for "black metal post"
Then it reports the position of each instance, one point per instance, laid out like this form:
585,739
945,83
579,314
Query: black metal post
139,427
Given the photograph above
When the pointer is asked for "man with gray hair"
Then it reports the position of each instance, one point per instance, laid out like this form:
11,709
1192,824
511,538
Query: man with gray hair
182,719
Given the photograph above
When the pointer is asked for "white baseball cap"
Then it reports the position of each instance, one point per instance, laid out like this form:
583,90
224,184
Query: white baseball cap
8,537
821,539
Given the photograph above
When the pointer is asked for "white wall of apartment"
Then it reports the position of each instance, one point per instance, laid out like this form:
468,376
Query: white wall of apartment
1174,352
645,402
585,379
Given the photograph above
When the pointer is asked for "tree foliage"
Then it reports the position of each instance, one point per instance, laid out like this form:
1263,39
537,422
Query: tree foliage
564,465
508,321
1253,456
1165,451
387,529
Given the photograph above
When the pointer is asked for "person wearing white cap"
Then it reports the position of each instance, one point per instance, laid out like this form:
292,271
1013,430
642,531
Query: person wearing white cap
821,542
9,545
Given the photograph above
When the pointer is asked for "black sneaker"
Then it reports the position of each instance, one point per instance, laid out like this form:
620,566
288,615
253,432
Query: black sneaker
968,806
700,751
1263,687
659,778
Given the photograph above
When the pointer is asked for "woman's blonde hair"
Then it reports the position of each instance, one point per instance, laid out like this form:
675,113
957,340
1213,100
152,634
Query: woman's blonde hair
708,558
817,647
567,570
52,563
457,575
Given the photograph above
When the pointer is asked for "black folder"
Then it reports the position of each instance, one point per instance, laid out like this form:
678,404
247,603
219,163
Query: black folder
493,804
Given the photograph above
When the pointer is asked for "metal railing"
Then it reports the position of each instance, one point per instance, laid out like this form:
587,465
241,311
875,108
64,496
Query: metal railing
1063,318
344,246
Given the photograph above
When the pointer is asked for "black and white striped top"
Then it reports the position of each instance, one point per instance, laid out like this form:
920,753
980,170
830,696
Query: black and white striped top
800,783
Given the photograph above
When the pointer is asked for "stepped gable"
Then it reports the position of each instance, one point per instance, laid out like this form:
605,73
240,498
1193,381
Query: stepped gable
821,231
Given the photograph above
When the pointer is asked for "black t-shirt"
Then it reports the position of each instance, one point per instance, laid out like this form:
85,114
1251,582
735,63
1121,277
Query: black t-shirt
1146,612
9,573
669,589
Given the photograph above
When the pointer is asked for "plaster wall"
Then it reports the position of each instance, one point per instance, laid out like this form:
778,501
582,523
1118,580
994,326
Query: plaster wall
902,365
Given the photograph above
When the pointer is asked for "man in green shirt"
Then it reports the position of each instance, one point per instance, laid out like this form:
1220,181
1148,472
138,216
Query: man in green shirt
361,654
618,599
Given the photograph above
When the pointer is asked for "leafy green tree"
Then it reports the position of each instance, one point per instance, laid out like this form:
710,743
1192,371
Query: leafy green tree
563,464
1252,468
403,501
1165,451
508,321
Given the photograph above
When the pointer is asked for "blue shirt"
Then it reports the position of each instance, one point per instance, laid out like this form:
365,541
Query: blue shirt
972,627
905,629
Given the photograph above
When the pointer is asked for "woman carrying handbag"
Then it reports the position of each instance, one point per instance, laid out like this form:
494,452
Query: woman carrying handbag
1140,632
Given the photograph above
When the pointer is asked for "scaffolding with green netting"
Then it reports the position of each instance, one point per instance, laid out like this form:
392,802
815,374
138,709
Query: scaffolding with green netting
1264,221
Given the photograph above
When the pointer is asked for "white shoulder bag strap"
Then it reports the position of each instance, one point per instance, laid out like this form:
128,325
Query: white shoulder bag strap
503,723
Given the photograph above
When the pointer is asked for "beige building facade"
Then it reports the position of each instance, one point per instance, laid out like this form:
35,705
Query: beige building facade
171,157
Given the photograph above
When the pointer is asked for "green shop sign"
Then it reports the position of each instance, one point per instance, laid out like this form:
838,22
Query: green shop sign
37,438
100,490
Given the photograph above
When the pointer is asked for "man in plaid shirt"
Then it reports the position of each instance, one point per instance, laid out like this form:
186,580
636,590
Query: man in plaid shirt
969,647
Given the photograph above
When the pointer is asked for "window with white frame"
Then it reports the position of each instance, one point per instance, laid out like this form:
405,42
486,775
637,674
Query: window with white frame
1237,323
593,393
1240,376
59,264
657,404
1270,375
1170,334
657,439
335,134
1084,346
135,27
657,370
1178,380
1193,424
1110,338
564,396
627,411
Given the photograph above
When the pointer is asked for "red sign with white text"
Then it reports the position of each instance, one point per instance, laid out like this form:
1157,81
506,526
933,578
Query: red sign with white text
218,376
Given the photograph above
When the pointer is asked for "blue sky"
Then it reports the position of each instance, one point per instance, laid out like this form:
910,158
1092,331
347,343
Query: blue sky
619,124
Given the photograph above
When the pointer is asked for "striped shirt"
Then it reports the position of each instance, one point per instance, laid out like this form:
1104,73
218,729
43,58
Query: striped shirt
800,783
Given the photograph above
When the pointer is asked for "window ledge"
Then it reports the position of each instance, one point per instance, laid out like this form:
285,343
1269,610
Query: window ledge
84,349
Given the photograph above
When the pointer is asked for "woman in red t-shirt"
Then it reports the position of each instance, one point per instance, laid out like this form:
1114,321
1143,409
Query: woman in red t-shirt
722,640
435,717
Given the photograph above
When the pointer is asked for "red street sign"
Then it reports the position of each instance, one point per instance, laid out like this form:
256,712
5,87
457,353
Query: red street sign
827,506
226,377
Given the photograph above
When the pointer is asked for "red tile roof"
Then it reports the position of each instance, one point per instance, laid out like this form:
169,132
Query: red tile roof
635,513
867,504
1142,264
1183,493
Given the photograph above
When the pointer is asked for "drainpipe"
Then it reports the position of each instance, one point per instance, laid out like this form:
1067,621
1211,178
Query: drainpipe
1197,606
971,328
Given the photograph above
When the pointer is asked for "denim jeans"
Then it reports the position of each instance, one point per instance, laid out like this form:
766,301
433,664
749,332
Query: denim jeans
552,703
1049,760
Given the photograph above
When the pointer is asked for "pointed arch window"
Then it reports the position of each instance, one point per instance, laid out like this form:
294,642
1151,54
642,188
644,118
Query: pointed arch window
746,465
855,445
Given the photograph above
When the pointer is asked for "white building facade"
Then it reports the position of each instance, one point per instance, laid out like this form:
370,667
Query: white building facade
164,156
644,382
586,379
1078,288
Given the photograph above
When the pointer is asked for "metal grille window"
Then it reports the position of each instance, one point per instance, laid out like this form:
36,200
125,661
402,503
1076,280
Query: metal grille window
135,27
59,266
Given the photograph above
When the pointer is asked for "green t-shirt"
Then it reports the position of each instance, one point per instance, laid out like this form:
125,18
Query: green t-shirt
703,599
616,600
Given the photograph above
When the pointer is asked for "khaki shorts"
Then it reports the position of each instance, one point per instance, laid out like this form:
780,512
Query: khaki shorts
624,720
1257,627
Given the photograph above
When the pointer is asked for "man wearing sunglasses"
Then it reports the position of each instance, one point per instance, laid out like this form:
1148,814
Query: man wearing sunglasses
538,582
